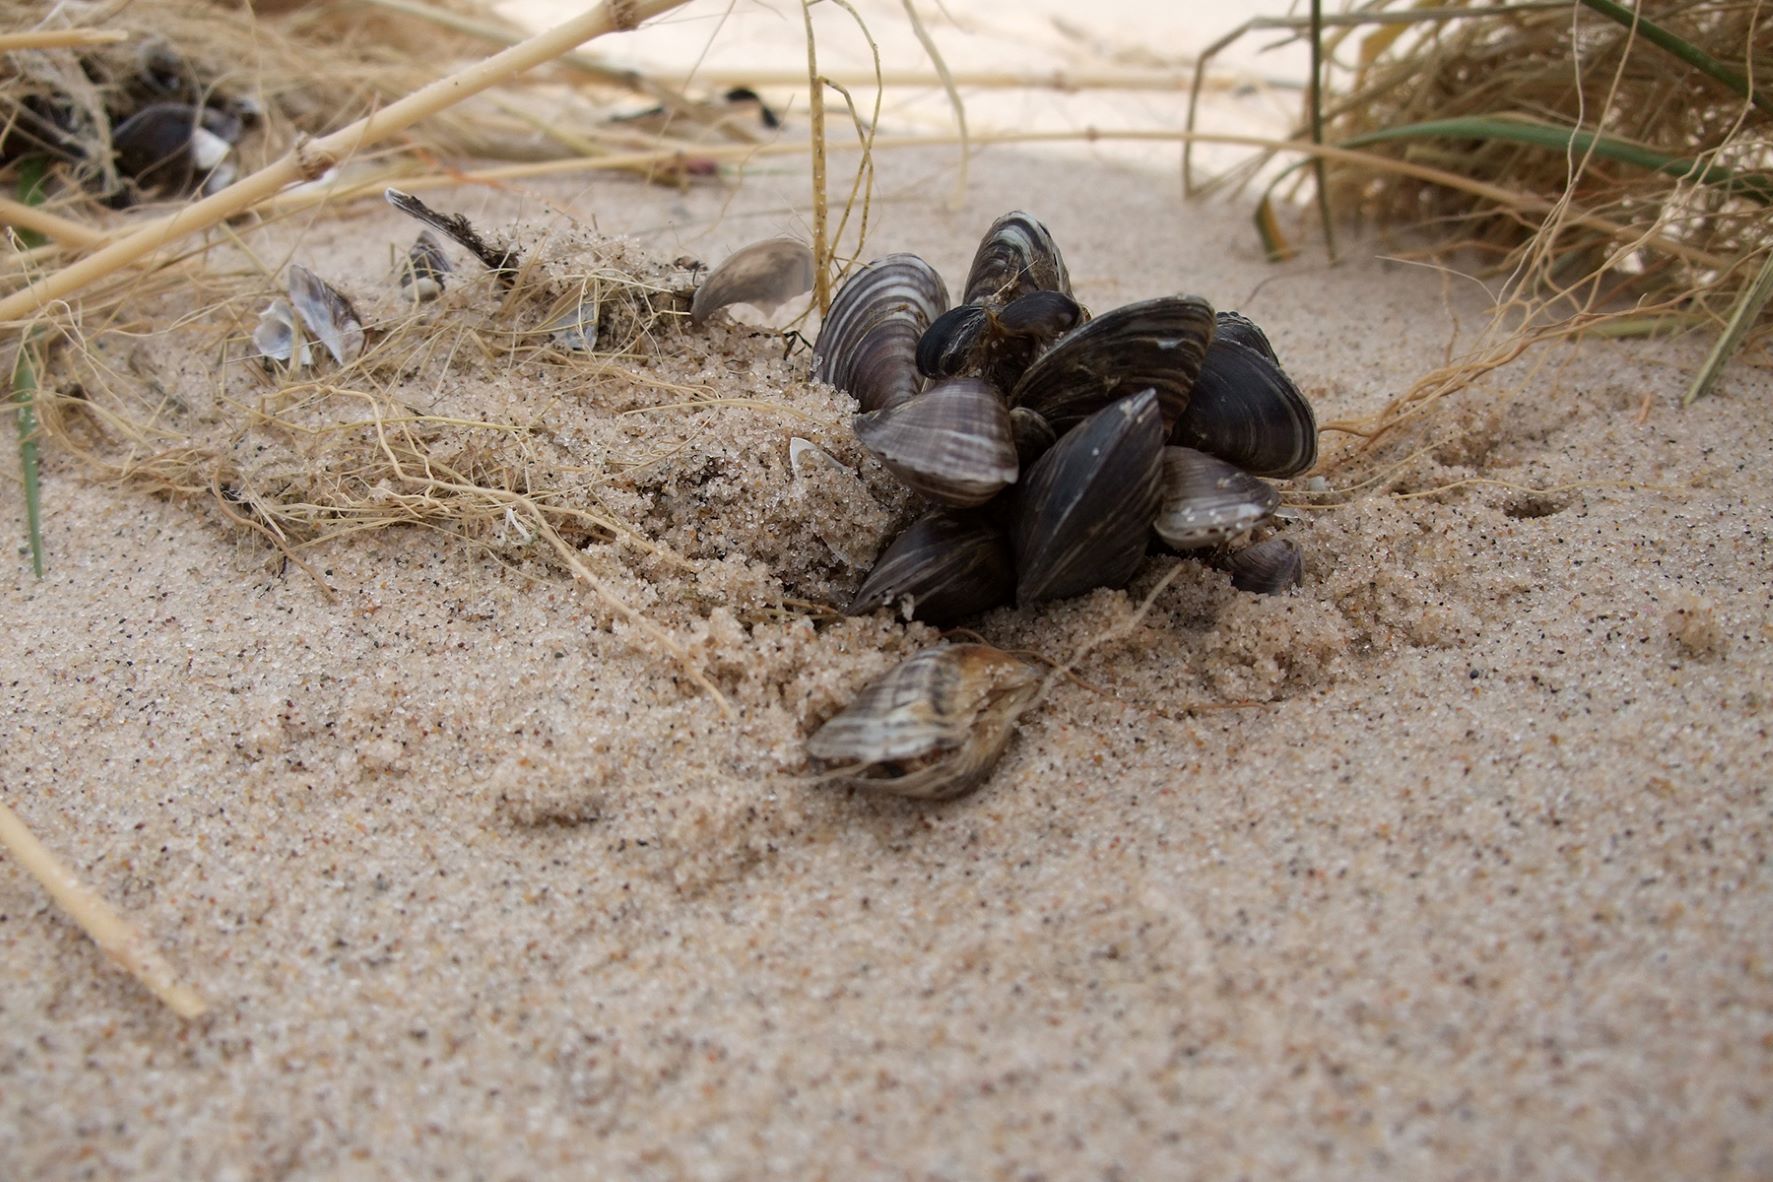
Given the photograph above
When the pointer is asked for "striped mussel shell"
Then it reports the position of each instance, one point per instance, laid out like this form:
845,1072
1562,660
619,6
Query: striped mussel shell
945,567
932,727
1150,345
996,343
953,443
1206,501
1086,506
954,342
1237,329
421,275
1246,410
1016,256
868,345
1270,567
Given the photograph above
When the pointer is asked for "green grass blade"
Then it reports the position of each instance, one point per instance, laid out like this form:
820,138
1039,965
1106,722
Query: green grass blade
1320,172
1742,317
1755,186
24,392
1694,56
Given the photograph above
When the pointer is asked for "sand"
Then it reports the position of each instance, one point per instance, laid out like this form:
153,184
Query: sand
1452,863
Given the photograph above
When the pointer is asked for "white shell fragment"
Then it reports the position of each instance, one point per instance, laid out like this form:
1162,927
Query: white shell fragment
764,274
276,336
575,329
327,314
934,726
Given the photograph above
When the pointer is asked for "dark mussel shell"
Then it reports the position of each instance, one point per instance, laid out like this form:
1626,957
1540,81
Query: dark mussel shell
421,276
168,147
1268,568
953,342
1016,256
1085,508
1151,345
868,344
953,443
933,726
1246,410
1040,315
1033,436
1239,329
948,565
1206,501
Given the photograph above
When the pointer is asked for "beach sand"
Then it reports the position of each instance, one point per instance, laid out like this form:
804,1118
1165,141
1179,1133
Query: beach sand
1453,863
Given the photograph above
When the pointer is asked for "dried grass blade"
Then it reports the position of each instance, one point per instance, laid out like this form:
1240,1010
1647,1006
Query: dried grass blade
1655,34
24,392
1748,309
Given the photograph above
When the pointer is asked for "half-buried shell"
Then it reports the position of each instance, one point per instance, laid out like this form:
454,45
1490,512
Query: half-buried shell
945,567
932,727
1082,518
1268,568
953,443
765,274
1207,501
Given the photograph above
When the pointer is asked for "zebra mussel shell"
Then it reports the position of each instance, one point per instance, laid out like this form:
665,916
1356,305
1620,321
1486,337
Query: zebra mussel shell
1269,567
931,728
1151,345
1082,518
868,344
953,443
421,275
1206,501
944,568
1016,256
1244,408
328,315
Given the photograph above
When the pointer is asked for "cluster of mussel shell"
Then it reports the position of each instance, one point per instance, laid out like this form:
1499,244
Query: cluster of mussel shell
1055,450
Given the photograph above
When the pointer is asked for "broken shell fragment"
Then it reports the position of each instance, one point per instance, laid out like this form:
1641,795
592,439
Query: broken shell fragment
1016,256
421,275
931,728
1268,568
952,443
1206,501
945,567
1150,345
276,336
765,274
327,314
456,227
1082,518
1246,410
868,344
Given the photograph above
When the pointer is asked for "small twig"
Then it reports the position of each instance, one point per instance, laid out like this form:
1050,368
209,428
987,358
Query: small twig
114,935
816,111
60,229
61,39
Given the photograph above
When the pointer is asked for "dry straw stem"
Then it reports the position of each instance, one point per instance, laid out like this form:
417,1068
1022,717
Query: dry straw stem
311,158
61,39
52,226
114,935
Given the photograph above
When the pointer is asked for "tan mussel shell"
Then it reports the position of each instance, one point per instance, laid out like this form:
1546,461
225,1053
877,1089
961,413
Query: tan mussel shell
764,274
953,443
933,727
1207,501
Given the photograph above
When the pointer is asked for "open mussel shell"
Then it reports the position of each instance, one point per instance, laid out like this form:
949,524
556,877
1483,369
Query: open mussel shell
326,313
933,726
1150,345
946,566
277,339
1268,568
1206,501
952,343
765,274
952,443
868,344
1246,410
1085,508
1016,256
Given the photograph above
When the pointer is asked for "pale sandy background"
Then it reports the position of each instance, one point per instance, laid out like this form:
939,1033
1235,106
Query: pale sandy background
1452,864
